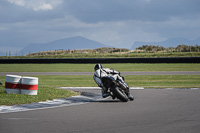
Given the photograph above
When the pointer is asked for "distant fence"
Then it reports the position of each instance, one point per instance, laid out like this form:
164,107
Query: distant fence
104,60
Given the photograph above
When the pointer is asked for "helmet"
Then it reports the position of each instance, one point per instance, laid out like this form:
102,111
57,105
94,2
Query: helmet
98,66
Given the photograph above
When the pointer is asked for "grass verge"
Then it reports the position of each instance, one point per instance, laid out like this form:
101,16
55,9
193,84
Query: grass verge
46,91
147,81
90,67
164,81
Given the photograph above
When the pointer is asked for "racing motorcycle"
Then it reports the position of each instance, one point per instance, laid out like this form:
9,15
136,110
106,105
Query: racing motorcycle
116,88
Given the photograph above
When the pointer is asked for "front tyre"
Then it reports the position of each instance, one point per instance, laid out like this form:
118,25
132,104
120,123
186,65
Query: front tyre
120,94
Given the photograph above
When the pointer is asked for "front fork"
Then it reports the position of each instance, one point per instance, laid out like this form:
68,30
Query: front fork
124,86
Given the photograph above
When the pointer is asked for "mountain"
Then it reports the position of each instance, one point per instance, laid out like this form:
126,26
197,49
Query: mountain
173,42
77,42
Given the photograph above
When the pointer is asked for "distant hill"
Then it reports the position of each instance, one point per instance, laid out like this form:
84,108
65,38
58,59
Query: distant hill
168,43
77,42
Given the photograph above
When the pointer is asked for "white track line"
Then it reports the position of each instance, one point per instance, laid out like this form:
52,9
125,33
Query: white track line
74,100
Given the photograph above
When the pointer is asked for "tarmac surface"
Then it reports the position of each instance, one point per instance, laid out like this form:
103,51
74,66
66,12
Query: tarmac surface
152,111
91,73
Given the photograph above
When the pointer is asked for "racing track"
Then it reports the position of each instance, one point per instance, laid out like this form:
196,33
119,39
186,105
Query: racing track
152,111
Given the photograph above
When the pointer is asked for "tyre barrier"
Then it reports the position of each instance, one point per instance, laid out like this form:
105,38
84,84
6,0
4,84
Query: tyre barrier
29,85
15,84
104,60
12,84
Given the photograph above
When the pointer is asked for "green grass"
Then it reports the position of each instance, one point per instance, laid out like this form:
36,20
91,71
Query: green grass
46,91
147,81
164,81
90,67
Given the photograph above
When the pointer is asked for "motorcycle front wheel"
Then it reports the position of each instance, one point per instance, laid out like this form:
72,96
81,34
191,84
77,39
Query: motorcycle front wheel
120,94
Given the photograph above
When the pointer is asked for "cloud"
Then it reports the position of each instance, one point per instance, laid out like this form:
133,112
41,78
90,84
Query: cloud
113,22
37,5
17,2
93,11
44,6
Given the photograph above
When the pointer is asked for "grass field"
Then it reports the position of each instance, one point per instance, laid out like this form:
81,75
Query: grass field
48,83
90,67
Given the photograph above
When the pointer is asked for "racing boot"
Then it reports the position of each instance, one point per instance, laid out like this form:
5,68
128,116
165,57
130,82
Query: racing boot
131,98
105,92
112,95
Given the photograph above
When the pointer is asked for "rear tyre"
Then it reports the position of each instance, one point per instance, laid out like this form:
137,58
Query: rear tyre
120,94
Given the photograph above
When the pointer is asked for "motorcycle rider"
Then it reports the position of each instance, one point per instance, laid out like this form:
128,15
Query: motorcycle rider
102,72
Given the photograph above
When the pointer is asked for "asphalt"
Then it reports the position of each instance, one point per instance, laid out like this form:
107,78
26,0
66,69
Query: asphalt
91,73
152,111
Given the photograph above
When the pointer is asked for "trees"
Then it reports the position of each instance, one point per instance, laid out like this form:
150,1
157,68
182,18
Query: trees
151,48
179,48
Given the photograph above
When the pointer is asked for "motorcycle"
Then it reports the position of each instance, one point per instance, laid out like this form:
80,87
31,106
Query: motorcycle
116,88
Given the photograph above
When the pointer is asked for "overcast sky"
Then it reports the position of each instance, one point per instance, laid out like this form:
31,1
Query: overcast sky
117,23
